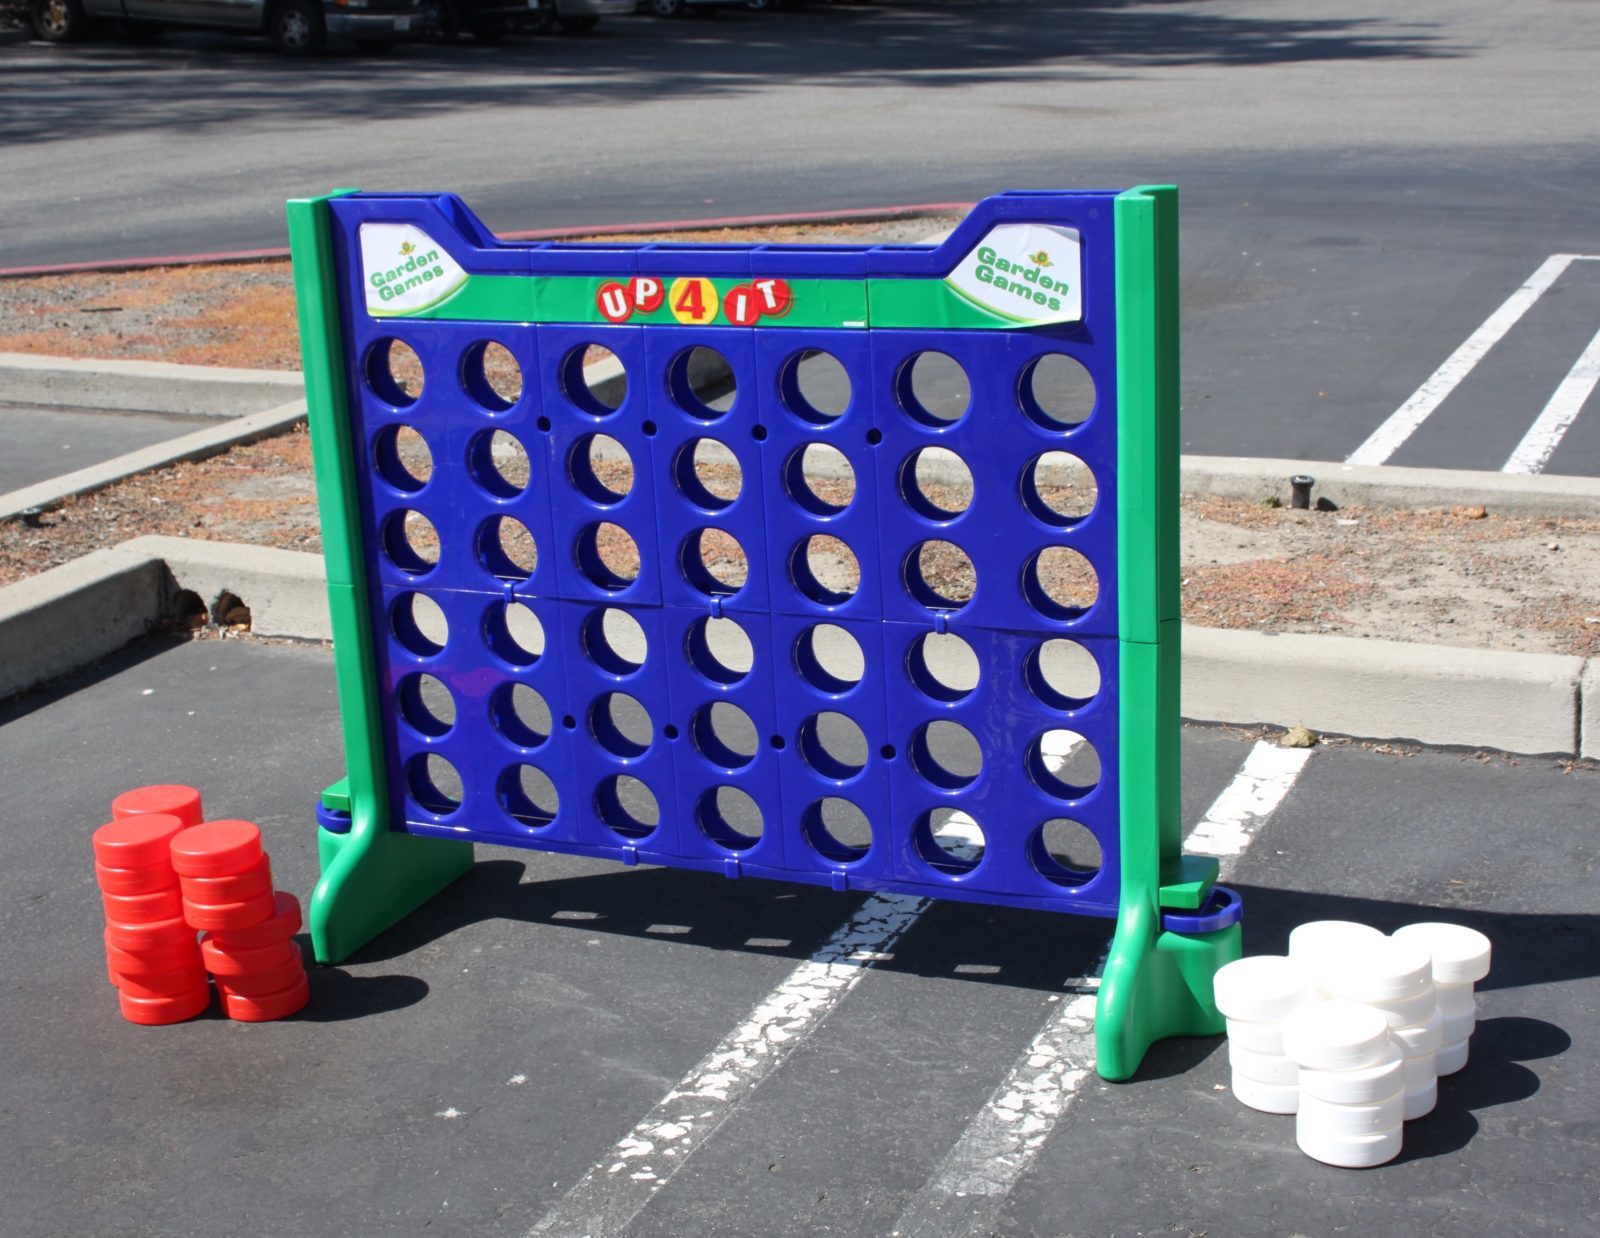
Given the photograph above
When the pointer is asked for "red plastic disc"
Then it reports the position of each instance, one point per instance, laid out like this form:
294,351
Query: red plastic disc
216,849
231,962
257,879
268,1006
163,984
220,917
151,935
273,980
147,880
178,801
142,908
180,956
160,1010
285,923
137,842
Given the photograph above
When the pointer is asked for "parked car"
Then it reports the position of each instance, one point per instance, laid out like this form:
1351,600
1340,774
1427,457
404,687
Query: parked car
297,27
490,19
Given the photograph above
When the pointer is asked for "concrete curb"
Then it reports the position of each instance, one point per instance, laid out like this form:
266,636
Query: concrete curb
1433,694
145,386
214,439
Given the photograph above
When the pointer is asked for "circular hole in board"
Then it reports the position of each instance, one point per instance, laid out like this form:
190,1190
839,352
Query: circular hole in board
594,378
713,561
833,745
514,633
1060,583
730,818
614,640
426,704
627,806
1062,674
1056,392
521,714
720,649
434,783
943,666
825,569
491,375
1059,489
499,463
934,389
946,754
621,725
394,372
402,457
949,840
708,474
820,478
411,542
1064,764
701,382
601,469
419,624
940,575
529,795
725,735
829,658
936,483
836,829
815,386
506,549
608,555
1066,852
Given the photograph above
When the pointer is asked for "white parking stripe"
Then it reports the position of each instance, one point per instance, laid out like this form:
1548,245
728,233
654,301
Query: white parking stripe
610,1195
971,1184
1403,422
1544,435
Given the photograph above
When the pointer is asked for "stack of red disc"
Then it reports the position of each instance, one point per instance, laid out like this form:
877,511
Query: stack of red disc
151,953
226,882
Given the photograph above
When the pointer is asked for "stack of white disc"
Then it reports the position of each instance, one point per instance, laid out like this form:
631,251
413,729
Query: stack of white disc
1460,959
1396,978
1319,944
1352,1084
1254,995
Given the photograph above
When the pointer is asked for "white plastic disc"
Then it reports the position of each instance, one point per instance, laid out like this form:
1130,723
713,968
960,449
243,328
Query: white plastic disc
1336,1036
1420,1038
1460,954
1451,1058
1386,970
1351,1151
1454,998
1260,989
1267,1097
1317,944
1323,1117
1457,1027
1256,1037
1357,1087
1408,1011
1420,1069
1263,1067
1420,1101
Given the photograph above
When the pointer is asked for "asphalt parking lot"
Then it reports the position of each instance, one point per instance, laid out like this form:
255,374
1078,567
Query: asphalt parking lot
467,1069
45,442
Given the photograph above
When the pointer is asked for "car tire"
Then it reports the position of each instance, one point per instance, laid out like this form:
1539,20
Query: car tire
59,21
578,25
297,28
442,20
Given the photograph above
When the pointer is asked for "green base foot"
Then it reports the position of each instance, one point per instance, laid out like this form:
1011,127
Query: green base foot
1157,984
373,877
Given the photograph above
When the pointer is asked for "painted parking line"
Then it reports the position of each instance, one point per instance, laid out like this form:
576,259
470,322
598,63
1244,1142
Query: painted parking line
967,1191
1552,423
1405,420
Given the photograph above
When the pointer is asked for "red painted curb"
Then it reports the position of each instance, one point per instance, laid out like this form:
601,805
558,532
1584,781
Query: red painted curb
855,215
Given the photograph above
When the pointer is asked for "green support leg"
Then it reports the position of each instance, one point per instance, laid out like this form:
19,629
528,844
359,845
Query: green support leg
372,876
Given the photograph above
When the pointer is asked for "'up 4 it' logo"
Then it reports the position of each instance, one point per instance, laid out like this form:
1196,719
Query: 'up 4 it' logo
404,271
693,300
1026,273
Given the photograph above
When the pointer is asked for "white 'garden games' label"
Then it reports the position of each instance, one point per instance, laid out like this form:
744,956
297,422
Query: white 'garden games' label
1027,273
404,271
